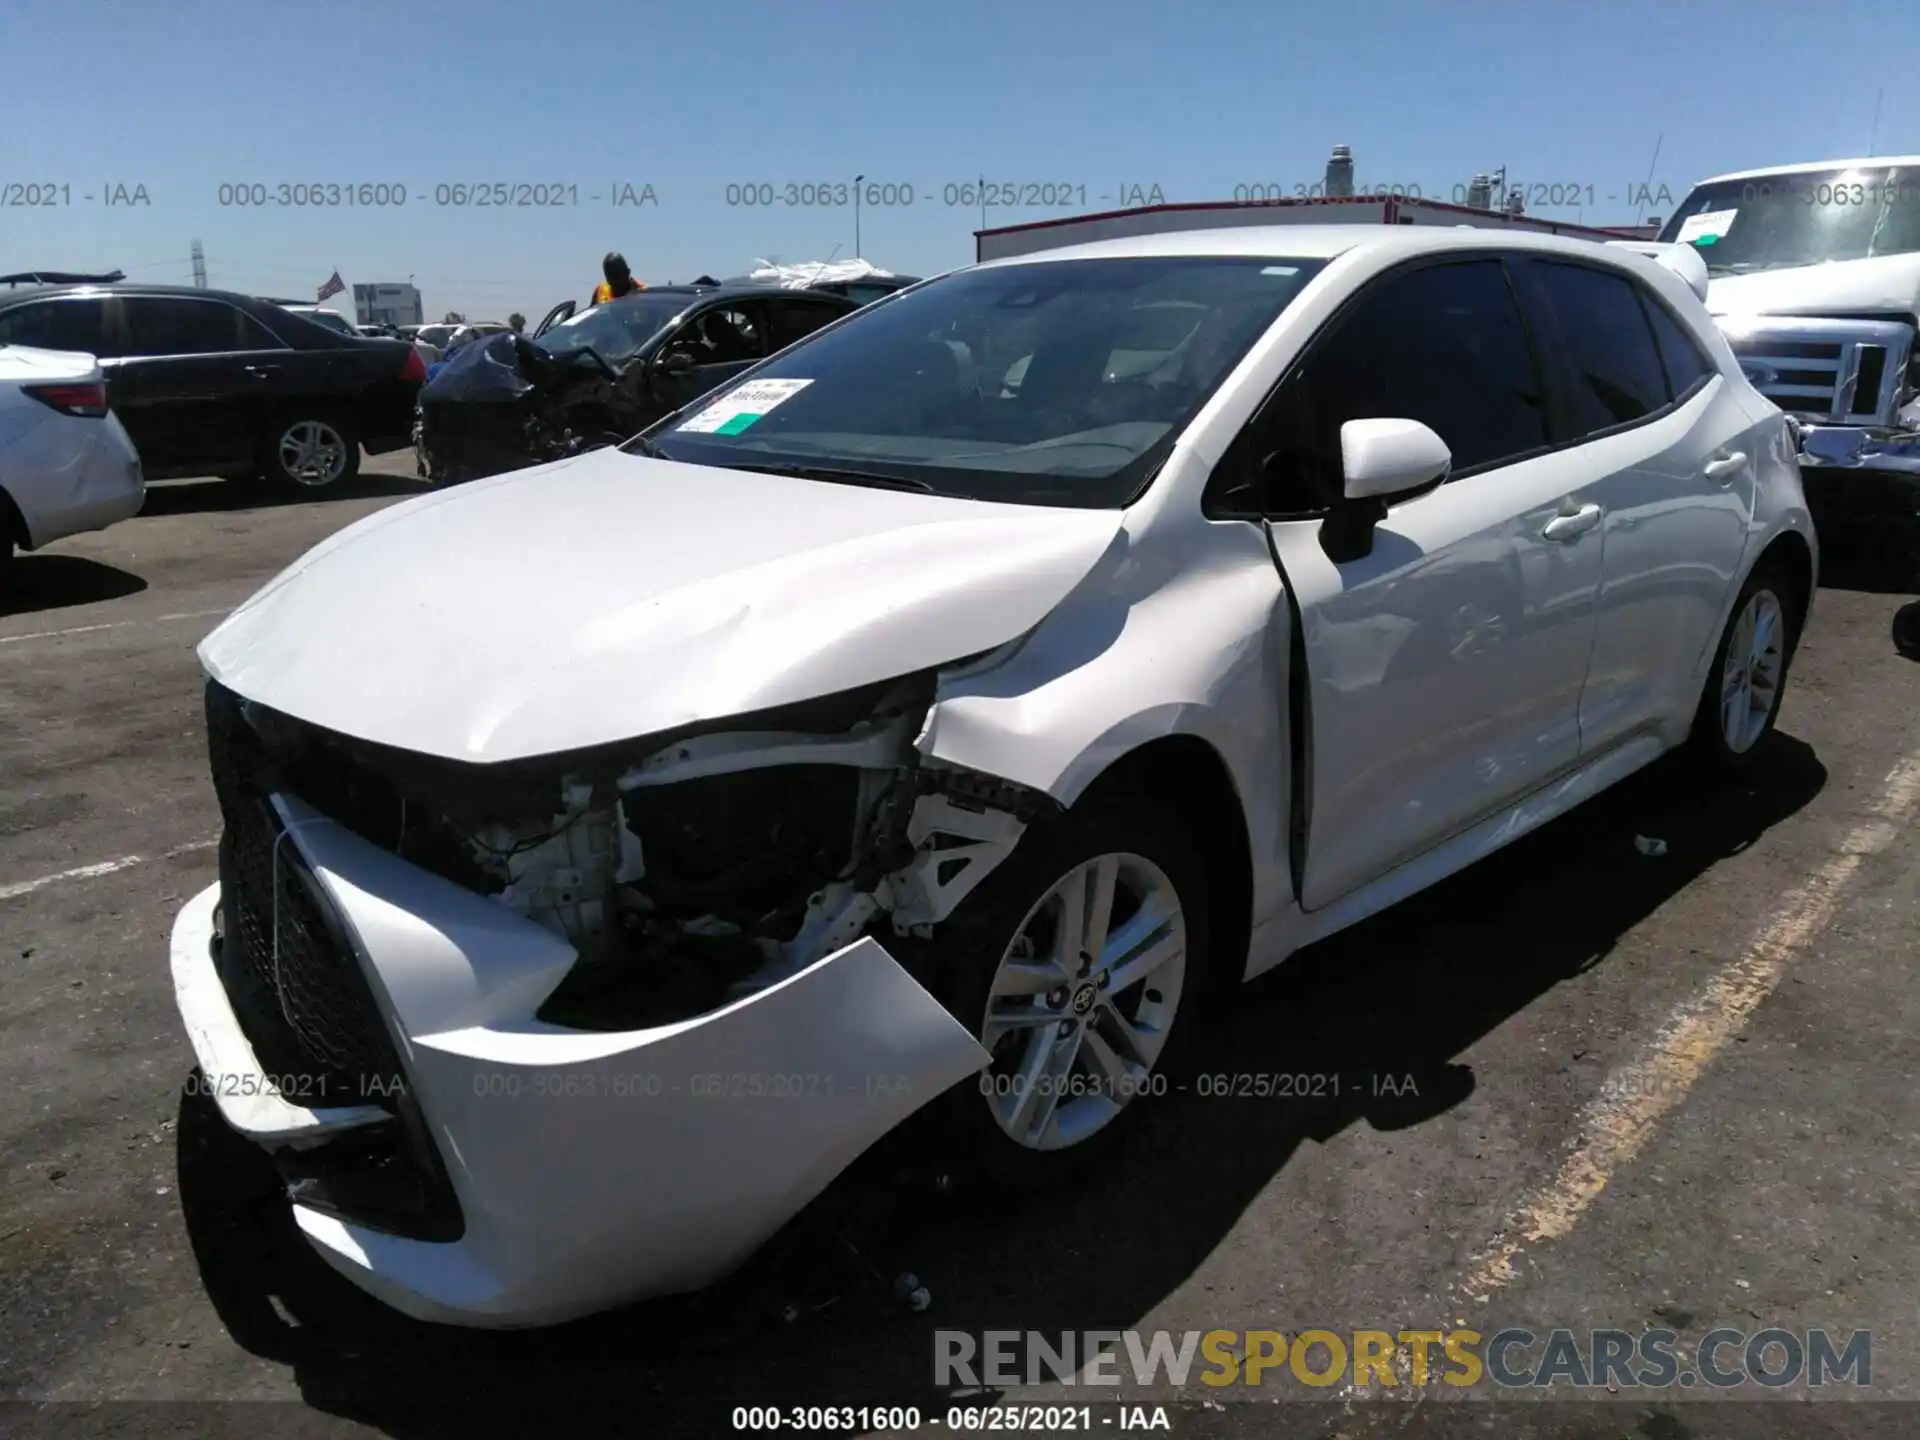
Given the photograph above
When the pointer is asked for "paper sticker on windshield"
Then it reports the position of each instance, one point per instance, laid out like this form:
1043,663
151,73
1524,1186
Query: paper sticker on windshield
739,408
1706,227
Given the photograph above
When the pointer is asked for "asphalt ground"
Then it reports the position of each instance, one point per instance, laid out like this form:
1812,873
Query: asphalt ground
1622,1090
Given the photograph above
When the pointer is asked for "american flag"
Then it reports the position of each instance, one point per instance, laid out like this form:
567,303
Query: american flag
333,287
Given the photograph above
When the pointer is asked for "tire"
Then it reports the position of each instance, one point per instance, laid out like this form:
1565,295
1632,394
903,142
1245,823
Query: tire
1766,599
13,531
1149,855
1906,630
333,455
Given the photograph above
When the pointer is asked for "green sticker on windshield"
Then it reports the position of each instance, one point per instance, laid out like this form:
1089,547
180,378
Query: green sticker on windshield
742,406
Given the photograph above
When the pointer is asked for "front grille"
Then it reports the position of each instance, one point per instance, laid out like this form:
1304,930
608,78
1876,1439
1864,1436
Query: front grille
302,1001
1871,370
291,974
1835,371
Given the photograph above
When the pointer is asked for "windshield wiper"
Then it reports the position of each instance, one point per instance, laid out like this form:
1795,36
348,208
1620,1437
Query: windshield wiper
840,476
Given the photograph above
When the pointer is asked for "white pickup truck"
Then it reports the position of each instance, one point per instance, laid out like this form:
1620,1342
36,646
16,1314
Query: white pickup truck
1814,276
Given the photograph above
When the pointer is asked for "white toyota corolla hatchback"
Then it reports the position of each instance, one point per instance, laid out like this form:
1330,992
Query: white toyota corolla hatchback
921,724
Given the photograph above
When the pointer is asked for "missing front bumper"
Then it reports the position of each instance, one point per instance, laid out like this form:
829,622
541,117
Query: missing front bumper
590,1168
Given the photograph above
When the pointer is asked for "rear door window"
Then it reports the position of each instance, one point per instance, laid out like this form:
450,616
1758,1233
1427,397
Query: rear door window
168,325
1613,359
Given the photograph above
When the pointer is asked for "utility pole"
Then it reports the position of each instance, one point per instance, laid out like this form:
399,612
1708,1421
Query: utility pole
199,266
856,215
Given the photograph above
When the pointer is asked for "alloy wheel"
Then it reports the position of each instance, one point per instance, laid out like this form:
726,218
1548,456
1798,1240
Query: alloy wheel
312,453
1750,678
1083,999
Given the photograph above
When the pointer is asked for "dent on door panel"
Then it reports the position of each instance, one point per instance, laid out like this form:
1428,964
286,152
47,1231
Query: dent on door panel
1444,668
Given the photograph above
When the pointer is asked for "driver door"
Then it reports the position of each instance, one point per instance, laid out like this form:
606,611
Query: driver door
715,344
1443,667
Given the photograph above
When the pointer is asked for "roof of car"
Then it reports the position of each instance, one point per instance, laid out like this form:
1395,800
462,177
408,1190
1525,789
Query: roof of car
1811,167
1307,242
127,287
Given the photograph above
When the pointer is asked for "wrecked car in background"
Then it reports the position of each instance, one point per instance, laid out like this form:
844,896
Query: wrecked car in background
1814,275
916,730
591,379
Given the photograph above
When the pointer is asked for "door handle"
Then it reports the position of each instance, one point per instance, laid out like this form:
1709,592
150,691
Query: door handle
1724,468
1572,527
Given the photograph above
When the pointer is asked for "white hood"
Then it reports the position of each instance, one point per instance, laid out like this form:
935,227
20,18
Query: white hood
1889,284
609,597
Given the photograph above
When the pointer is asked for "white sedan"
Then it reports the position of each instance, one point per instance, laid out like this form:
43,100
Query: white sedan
66,463
920,726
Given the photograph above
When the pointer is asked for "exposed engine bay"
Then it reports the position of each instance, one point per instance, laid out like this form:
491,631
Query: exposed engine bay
692,869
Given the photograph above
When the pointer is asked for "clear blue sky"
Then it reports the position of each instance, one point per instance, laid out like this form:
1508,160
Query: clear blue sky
181,97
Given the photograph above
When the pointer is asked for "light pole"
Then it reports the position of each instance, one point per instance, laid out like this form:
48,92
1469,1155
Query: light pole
856,215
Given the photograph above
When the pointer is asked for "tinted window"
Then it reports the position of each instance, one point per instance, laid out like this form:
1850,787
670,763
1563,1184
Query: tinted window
1610,349
1444,345
54,325
999,382
255,336
165,325
1680,353
791,320
724,335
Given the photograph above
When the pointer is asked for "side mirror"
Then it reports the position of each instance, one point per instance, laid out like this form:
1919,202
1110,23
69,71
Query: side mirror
1383,458
1380,460
674,362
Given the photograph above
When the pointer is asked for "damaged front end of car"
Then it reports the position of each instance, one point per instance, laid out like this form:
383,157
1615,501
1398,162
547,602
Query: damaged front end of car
504,403
573,1030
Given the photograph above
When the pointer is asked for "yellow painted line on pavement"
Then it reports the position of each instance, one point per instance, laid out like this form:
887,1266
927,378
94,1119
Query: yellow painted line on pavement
1617,1124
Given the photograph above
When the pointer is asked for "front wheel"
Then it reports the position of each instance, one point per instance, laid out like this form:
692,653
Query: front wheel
1906,630
1741,701
1079,966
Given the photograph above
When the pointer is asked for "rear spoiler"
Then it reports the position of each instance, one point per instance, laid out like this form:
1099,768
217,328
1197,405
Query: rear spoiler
1683,260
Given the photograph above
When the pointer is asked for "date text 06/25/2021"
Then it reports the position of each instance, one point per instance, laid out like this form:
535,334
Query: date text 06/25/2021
976,194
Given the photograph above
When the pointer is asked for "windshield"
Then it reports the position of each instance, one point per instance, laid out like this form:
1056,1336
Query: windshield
615,331
1053,383
1773,221
435,335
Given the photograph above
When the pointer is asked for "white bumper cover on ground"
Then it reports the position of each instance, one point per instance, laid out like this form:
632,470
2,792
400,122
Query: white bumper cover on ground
591,1168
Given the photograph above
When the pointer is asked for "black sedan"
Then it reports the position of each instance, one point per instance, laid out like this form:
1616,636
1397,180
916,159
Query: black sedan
595,378
213,383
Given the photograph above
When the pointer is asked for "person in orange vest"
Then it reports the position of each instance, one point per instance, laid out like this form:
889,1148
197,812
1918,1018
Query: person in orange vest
619,282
